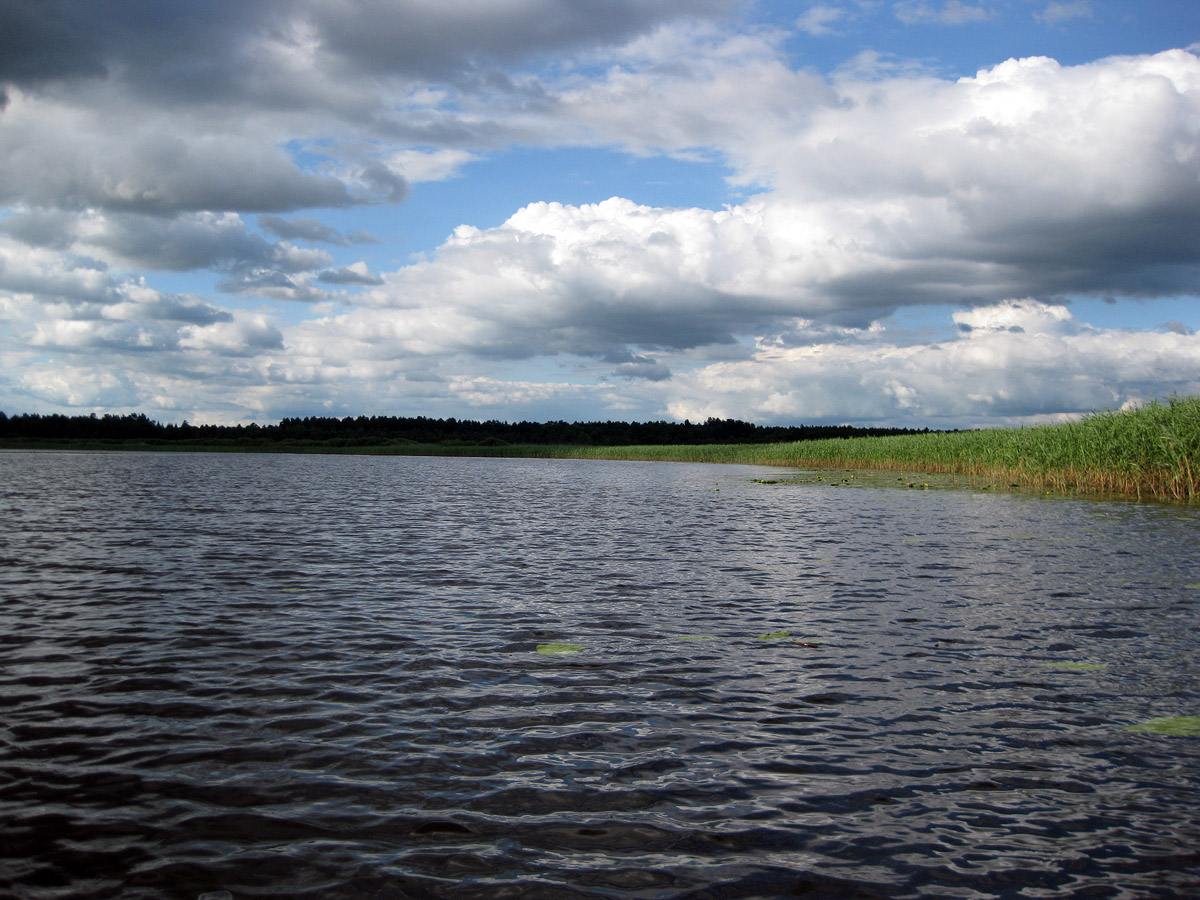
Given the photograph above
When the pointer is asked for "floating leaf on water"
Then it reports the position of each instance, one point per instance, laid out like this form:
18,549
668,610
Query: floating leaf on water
1075,666
558,649
811,644
774,635
1180,725
1195,585
697,637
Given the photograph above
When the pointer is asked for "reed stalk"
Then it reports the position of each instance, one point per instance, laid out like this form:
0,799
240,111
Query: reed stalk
1152,452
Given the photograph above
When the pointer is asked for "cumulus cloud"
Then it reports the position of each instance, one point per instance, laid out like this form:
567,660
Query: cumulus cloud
75,387
598,279
245,335
51,274
688,91
86,247
1019,361
103,152
1029,179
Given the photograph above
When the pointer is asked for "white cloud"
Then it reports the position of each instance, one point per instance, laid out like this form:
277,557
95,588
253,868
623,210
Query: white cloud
50,274
355,273
1014,316
1020,362
430,165
101,150
95,387
1057,13
490,393
1029,179
819,20
951,12
306,228
685,91
245,335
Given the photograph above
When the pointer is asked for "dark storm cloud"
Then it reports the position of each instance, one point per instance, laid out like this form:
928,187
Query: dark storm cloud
55,40
47,165
1152,249
208,48
431,40
42,41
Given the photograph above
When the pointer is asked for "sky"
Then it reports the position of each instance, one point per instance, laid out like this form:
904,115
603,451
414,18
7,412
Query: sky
922,213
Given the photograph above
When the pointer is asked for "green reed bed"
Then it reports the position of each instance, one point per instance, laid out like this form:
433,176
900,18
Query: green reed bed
1151,452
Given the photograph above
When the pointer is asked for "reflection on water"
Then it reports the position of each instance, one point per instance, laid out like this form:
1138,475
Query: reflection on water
291,676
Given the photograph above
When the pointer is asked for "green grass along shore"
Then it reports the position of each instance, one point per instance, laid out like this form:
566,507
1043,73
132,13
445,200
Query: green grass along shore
1147,453
1150,453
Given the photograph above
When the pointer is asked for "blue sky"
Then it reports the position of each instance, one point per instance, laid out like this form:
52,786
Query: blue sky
942,213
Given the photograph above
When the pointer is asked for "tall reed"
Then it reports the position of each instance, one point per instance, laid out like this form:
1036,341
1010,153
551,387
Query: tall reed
1150,452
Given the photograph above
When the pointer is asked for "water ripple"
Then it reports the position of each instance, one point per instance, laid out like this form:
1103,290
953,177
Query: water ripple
234,677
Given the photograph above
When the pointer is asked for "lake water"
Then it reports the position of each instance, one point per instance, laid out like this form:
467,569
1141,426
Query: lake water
244,676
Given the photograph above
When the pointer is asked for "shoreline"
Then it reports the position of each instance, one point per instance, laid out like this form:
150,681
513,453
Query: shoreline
1150,453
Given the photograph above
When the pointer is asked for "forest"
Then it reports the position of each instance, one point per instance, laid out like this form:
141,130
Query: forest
136,429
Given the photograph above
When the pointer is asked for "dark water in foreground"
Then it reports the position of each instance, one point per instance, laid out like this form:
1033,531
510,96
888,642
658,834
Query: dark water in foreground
292,676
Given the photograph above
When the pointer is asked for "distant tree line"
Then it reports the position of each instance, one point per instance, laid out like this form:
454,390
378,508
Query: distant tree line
392,430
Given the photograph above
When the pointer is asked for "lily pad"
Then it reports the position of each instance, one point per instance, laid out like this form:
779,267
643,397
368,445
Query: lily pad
774,635
1075,666
1179,725
558,649
697,637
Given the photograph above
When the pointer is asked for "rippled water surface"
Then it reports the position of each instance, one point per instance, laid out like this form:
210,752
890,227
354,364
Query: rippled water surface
302,676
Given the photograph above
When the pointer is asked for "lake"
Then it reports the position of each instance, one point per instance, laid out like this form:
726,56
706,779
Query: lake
246,676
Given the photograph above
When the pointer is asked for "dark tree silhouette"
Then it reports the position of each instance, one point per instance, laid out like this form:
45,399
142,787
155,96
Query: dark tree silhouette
370,431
